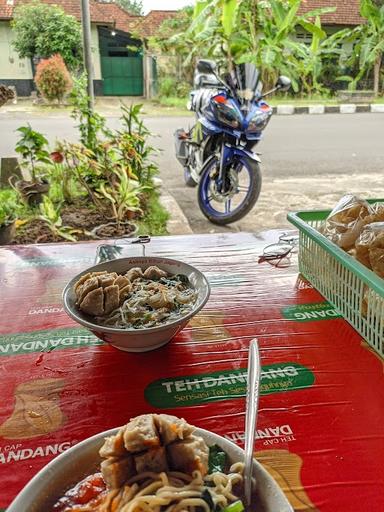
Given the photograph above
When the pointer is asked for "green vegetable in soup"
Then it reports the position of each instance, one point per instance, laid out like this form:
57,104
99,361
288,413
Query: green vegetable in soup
236,506
217,460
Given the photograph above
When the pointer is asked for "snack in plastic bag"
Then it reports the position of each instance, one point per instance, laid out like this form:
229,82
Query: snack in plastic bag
370,247
377,214
346,221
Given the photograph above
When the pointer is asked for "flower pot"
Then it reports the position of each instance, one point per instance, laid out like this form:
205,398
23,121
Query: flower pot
109,230
7,233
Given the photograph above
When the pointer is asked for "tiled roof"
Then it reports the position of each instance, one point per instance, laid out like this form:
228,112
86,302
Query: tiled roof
347,11
101,12
97,10
121,19
154,19
6,9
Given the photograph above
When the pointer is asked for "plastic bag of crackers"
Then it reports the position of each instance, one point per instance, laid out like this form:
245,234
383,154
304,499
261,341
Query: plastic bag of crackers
358,227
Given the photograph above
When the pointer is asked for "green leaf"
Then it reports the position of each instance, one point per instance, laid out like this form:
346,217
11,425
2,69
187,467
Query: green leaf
217,459
228,17
313,29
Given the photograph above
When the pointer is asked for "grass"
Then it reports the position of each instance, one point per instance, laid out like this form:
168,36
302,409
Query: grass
172,101
156,217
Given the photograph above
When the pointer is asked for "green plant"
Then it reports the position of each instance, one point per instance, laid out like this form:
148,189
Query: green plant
170,87
122,192
368,44
173,38
32,146
52,78
41,30
8,206
155,220
167,86
79,169
309,59
132,6
50,214
91,124
139,151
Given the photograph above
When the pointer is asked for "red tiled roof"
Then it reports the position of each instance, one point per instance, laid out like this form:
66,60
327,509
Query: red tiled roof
97,11
119,17
101,12
154,19
5,10
347,11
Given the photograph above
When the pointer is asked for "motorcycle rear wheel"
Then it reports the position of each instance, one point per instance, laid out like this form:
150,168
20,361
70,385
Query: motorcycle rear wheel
254,188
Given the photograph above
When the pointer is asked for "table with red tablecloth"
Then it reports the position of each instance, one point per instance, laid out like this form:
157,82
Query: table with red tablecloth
320,429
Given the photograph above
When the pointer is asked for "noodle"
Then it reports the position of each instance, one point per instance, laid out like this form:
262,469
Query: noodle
182,474
151,303
174,492
170,492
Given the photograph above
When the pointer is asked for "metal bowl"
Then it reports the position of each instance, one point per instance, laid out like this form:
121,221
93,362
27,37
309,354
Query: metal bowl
139,340
83,459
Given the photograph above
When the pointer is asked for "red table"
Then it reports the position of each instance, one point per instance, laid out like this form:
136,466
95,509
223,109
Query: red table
321,421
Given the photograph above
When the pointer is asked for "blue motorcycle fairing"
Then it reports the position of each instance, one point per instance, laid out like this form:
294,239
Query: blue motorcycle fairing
208,120
231,151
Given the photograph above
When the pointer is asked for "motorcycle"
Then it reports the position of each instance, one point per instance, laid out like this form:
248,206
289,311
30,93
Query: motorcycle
217,153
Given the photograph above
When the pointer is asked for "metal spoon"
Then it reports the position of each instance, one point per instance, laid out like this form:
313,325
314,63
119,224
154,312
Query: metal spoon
252,403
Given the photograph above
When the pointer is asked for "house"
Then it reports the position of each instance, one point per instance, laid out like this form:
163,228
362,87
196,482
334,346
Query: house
117,47
346,15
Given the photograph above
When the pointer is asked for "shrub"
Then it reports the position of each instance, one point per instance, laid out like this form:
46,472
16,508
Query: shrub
171,87
52,78
44,30
8,206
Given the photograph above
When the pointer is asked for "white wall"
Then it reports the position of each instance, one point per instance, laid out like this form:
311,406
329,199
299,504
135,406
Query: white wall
11,67
95,52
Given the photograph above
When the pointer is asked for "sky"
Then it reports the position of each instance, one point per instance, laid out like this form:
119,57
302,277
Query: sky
165,4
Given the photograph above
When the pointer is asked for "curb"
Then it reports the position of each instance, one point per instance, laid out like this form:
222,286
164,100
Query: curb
347,108
178,223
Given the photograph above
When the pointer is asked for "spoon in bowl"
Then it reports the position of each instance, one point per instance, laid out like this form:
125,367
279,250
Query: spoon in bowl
252,403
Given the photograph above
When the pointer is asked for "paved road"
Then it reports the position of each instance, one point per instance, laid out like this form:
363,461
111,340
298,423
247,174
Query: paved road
308,161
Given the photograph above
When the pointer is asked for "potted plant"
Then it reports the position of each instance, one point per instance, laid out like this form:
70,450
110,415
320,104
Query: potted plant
8,215
32,146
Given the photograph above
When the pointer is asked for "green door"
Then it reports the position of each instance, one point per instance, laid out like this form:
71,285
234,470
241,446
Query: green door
122,76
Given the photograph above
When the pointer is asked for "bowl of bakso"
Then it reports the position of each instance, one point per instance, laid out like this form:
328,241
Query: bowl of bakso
155,463
136,304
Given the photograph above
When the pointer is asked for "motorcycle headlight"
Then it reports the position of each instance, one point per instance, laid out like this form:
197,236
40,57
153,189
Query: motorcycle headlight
259,121
226,112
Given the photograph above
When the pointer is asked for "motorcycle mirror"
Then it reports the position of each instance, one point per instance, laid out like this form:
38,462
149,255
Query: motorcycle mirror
283,83
206,66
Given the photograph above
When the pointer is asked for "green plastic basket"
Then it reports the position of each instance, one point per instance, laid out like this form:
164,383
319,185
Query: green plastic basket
343,281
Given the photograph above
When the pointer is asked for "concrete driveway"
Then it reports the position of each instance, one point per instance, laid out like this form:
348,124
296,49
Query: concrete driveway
308,161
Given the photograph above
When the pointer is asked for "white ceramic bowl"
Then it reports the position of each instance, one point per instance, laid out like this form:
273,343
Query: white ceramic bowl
139,340
83,459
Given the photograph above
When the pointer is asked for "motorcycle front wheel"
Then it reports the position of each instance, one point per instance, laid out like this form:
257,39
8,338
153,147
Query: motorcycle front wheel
242,190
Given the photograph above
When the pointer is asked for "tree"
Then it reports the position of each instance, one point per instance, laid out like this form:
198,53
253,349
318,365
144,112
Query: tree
172,38
370,47
132,6
255,31
43,30
310,59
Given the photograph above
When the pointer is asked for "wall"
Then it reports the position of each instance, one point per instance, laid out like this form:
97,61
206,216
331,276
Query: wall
95,52
13,71
18,72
